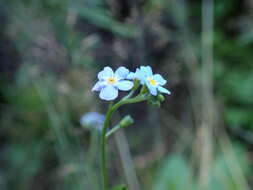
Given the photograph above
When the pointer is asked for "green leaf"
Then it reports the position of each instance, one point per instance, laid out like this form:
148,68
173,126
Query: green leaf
237,117
102,19
119,187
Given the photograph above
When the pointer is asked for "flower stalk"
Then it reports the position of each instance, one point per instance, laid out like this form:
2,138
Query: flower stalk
110,83
106,135
126,121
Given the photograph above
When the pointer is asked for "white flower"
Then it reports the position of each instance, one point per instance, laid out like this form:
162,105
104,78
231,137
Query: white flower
154,82
109,83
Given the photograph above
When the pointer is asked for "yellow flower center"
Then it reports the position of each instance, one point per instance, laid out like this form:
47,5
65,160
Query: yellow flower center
152,81
111,80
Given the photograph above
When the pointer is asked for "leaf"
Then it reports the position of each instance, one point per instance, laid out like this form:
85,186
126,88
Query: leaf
119,187
237,117
100,18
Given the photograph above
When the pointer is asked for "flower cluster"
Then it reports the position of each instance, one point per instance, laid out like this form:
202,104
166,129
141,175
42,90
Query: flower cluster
110,82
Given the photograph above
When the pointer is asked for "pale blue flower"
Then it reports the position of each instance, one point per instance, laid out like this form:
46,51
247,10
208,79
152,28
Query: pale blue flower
109,83
92,120
132,75
154,82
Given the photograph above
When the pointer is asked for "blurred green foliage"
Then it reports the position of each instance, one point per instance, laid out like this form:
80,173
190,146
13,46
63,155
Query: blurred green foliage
176,172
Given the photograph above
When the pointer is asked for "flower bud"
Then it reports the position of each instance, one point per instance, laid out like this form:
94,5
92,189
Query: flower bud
160,97
153,101
157,104
92,120
126,121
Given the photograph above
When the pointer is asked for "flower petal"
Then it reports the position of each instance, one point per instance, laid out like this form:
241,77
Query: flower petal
105,73
125,85
152,89
163,90
158,78
108,93
141,75
147,70
98,86
122,72
131,76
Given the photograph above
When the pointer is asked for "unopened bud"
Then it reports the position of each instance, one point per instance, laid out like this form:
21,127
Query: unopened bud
160,97
126,121
157,104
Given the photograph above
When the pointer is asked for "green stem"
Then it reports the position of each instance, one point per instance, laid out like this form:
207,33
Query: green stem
139,98
126,121
111,110
103,147
113,130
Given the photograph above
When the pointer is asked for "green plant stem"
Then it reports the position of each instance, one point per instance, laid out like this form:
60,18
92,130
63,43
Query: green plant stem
113,130
126,121
111,110
103,148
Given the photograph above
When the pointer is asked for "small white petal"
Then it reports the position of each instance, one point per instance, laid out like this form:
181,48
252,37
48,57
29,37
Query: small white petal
163,90
147,70
98,86
141,75
152,89
125,85
122,72
105,73
158,78
131,76
108,93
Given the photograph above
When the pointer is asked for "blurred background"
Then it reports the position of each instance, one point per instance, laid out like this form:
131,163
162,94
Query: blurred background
200,139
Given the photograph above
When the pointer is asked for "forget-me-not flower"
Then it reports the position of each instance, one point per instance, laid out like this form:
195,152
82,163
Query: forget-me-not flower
154,82
92,120
109,83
